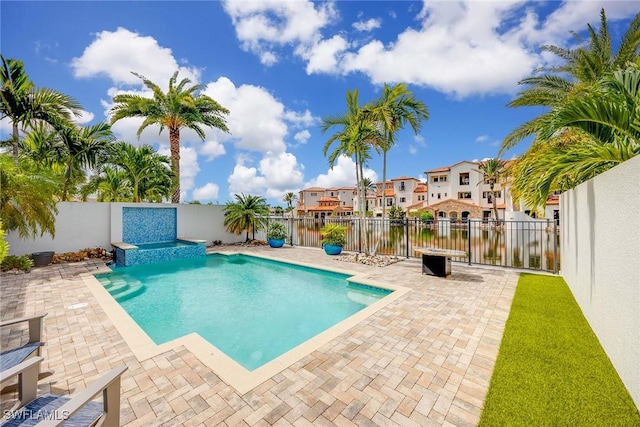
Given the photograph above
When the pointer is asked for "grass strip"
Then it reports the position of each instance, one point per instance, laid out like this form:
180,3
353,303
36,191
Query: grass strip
551,369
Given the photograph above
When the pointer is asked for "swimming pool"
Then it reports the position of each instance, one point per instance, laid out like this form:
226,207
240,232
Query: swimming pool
252,309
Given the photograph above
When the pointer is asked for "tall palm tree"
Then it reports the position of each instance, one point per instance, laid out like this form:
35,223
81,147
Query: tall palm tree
580,69
83,147
395,108
180,107
27,198
246,213
23,104
492,171
355,137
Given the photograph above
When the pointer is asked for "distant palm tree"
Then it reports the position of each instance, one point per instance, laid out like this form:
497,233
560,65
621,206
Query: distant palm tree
246,213
24,104
180,107
369,188
289,199
580,69
27,198
492,171
395,108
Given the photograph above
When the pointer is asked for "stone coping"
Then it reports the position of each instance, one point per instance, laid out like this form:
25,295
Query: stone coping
191,239
440,252
123,245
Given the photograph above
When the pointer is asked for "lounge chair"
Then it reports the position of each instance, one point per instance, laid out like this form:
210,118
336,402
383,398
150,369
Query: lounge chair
12,357
50,410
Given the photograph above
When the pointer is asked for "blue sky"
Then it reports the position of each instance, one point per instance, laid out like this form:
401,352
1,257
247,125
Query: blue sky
280,66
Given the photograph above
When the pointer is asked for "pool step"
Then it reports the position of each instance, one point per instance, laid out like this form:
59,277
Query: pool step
131,292
115,288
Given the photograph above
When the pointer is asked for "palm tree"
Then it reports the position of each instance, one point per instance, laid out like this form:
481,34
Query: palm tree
356,136
289,198
148,172
391,112
24,104
581,69
583,137
180,107
83,147
246,213
492,171
27,198
110,185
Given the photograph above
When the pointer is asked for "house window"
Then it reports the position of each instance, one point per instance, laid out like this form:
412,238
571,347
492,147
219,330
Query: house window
487,194
439,178
438,195
332,194
464,178
389,202
314,194
464,195
402,186
344,203
403,199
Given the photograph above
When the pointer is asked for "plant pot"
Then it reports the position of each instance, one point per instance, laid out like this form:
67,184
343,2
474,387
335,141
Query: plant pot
41,259
276,243
332,249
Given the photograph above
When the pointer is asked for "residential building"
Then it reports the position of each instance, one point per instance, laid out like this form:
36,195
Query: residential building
318,202
460,191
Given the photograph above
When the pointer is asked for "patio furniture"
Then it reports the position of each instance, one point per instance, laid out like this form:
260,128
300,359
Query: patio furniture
12,357
437,262
50,410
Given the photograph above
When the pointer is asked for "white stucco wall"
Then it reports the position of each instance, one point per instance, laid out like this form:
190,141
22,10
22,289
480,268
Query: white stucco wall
89,225
78,226
600,257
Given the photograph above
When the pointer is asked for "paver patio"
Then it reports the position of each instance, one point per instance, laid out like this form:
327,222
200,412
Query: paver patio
424,359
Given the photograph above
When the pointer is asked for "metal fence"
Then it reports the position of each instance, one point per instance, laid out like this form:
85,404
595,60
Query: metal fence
530,245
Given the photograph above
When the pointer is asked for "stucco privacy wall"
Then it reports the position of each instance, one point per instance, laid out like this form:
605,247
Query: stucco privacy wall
87,225
600,252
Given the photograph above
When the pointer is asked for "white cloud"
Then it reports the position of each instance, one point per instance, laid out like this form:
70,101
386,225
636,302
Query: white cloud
264,25
116,54
276,174
207,192
212,149
413,149
343,174
302,137
482,138
323,57
85,117
459,48
257,121
368,25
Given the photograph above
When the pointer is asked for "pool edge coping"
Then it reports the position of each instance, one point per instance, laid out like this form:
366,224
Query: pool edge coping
227,369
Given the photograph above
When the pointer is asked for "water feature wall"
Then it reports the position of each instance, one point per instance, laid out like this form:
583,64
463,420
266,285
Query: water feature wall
149,225
150,236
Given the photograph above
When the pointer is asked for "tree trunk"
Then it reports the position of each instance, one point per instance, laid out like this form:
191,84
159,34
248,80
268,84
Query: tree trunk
174,140
384,184
495,205
16,135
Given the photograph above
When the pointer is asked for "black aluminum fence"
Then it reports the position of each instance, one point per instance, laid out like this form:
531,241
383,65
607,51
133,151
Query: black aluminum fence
530,245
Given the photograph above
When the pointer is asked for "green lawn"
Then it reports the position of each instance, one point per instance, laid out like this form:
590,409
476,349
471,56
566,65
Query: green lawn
551,369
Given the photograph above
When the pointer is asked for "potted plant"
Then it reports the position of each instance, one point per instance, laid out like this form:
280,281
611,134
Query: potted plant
334,237
276,234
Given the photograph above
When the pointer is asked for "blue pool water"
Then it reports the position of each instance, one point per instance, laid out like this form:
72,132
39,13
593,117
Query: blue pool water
252,309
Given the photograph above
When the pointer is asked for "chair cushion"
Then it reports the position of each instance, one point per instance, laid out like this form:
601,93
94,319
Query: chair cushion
11,358
43,407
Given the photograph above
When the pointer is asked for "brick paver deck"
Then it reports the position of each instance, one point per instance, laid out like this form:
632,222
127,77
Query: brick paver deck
424,359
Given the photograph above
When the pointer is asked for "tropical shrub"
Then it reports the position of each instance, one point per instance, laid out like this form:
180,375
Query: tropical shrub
277,231
4,246
334,234
426,217
14,262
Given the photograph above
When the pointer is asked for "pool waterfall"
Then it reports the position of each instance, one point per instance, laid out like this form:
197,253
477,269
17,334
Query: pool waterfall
149,235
